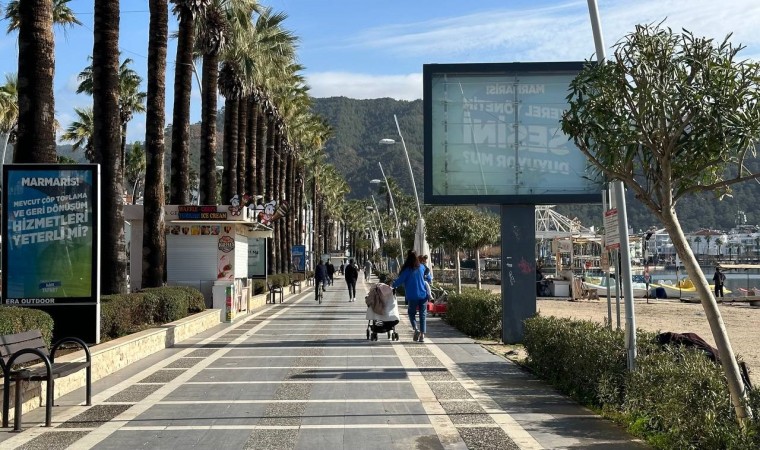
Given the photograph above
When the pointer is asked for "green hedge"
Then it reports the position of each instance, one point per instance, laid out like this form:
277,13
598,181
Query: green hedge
14,319
127,313
676,398
476,313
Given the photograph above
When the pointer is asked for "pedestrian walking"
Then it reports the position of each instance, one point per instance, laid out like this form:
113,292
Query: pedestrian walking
330,272
719,278
412,277
367,269
352,274
320,276
342,268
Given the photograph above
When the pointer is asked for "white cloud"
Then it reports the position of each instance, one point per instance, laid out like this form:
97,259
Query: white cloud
364,86
558,32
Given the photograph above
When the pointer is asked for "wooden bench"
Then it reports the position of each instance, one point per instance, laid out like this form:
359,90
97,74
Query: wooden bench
274,289
28,347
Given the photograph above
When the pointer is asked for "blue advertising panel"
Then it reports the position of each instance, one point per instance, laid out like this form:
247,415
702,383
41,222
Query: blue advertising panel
493,135
298,255
51,242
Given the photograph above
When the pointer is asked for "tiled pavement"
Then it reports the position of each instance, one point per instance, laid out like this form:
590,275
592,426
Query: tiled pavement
300,375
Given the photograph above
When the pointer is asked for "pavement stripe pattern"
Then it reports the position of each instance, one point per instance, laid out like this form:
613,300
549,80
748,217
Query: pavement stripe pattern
295,376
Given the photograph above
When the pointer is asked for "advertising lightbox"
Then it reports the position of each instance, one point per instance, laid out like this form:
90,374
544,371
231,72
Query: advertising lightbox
51,245
493,135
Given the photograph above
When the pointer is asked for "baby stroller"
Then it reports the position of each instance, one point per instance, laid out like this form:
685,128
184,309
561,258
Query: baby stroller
382,312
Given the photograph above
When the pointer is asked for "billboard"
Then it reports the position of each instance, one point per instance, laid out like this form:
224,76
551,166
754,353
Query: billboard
51,243
493,135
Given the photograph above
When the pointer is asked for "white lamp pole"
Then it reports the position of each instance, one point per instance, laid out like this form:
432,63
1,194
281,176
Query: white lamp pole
420,242
393,205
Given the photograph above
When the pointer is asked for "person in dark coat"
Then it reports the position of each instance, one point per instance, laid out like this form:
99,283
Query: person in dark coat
352,274
330,272
719,279
320,276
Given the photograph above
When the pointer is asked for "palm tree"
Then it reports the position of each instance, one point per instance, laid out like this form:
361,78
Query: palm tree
62,14
187,11
107,142
36,44
134,170
131,99
36,65
154,239
80,133
8,111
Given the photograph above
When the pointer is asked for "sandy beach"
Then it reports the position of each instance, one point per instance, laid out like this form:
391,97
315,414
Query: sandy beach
742,322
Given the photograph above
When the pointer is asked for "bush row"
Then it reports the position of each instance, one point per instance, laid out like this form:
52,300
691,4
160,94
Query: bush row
676,398
122,314
476,313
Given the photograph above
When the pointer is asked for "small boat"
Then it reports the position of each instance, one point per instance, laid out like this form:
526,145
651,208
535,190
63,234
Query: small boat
603,284
684,288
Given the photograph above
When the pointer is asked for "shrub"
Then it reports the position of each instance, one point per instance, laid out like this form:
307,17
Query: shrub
172,303
14,319
476,313
196,301
680,399
120,314
259,287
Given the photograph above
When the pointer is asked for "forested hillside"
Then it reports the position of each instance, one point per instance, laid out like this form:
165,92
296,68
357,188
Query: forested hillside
360,124
354,150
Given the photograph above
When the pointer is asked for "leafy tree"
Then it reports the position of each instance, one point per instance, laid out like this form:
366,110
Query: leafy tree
671,115
485,232
454,229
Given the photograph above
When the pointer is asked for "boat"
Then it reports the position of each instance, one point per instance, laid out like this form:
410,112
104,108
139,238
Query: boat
684,288
603,284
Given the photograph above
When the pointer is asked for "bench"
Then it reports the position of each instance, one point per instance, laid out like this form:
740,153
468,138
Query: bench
28,347
295,284
274,289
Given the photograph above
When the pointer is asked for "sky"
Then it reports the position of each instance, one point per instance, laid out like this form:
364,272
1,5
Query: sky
373,49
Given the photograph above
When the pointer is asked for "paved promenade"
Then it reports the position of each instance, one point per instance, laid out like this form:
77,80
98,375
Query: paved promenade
300,375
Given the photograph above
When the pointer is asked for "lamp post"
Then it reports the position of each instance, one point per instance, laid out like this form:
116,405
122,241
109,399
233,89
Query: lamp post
420,243
393,206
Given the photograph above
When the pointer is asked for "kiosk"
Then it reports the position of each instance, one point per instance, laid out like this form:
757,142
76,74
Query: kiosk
207,247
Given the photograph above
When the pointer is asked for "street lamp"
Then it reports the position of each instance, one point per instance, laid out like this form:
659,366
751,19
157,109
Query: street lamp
393,206
420,243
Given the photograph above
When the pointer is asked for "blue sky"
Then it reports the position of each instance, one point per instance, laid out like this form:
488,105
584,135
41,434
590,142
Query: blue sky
372,48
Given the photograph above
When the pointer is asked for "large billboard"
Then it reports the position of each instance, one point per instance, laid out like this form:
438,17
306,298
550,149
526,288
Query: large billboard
51,243
493,135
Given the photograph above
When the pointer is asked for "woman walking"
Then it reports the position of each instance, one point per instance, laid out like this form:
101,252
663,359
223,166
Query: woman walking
412,277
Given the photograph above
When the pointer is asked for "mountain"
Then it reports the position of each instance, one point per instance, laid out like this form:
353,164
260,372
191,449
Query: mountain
354,149
359,125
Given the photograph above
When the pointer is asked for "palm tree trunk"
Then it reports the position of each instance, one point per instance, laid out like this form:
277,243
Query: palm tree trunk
123,154
106,139
183,84
261,152
230,149
36,102
154,237
241,145
269,159
289,222
210,75
250,151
